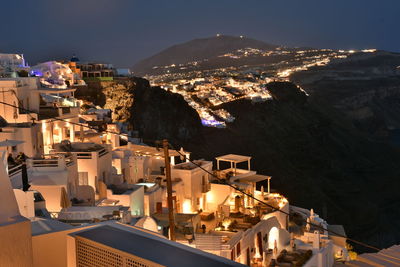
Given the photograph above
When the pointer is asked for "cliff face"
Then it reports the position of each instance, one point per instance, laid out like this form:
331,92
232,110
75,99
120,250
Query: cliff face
317,158
154,112
115,95
158,114
367,89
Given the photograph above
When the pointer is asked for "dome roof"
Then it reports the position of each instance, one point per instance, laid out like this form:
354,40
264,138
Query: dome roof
147,223
74,59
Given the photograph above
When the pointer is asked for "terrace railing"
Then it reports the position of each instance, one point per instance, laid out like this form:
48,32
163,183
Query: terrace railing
14,170
102,152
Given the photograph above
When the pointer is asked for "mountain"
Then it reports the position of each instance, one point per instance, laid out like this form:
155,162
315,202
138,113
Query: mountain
198,50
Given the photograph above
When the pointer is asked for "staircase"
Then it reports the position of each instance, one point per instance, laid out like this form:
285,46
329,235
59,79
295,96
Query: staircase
389,257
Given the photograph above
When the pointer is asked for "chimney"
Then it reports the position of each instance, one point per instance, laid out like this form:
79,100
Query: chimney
24,172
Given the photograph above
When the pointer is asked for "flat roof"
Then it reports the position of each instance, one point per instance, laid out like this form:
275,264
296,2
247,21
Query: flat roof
152,247
152,151
234,158
55,90
44,226
255,178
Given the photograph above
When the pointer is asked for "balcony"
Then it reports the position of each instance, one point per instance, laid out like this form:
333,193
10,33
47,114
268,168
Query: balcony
14,170
82,150
46,112
52,161
57,106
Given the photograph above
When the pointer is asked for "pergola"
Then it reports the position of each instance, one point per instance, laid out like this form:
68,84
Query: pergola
258,178
234,160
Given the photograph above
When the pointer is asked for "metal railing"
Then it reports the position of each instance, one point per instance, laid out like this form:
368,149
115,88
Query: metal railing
14,170
52,161
41,163
84,155
102,152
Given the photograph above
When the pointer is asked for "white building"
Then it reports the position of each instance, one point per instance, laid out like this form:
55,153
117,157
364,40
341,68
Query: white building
195,182
54,176
94,163
11,63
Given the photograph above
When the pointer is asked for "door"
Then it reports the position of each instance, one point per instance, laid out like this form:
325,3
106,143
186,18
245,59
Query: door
259,243
248,257
83,178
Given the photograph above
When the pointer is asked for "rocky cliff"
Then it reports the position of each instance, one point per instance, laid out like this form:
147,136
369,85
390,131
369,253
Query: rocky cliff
367,89
317,158
158,114
153,112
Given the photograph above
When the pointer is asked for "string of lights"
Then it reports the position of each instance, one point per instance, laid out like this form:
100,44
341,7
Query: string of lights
224,181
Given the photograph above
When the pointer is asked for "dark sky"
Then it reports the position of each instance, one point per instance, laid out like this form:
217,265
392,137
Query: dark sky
124,31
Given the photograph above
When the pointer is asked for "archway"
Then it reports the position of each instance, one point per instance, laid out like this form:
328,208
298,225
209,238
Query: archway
273,237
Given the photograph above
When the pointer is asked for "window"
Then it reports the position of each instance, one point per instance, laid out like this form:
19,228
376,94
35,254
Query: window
83,178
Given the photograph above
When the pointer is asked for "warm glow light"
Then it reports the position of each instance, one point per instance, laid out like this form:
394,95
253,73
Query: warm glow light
272,237
187,206
210,197
369,50
226,223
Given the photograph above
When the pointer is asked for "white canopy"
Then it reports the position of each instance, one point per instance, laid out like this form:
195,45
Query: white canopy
9,142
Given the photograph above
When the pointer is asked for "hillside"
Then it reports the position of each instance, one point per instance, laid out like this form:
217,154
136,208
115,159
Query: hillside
198,50
366,89
317,158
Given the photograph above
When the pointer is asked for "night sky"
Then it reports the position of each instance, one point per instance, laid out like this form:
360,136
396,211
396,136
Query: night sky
124,31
